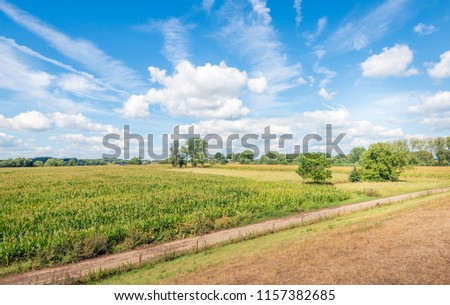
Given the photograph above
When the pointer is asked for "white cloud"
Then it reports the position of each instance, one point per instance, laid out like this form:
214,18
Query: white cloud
207,5
321,24
438,122
14,75
434,111
79,122
439,102
37,121
323,93
358,34
393,61
329,74
257,85
441,69
7,140
299,125
79,50
176,37
210,91
261,9
77,138
253,37
31,121
423,29
298,12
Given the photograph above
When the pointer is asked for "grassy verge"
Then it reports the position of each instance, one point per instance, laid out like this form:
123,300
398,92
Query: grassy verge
257,258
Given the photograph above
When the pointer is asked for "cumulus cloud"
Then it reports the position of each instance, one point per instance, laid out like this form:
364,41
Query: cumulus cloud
37,121
440,102
209,91
323,93
299,125
423,29
434,110
393,61
257,85
441,69
77,138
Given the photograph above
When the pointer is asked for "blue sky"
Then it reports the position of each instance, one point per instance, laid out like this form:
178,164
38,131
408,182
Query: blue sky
73,71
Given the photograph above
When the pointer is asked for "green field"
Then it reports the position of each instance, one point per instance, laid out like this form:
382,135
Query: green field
60,215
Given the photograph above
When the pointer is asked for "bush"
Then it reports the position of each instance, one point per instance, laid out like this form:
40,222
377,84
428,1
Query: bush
315,166
355,175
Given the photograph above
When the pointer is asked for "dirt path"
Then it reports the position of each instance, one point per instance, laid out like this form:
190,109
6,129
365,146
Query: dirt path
150,253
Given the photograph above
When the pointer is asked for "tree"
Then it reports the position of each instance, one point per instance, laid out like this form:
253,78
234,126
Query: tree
314,166
38,163
247,155
355,175
383,162
54,162
72,162
219,156
175,153
355,154
135,161
196,149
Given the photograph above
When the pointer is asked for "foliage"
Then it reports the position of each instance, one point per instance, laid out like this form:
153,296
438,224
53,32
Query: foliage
314,166
355,154
196,149
135,161
246,155
72,162
54,162
383,162
355,175
38,163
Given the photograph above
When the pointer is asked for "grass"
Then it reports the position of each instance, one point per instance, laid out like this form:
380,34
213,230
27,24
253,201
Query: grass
403,243
60,215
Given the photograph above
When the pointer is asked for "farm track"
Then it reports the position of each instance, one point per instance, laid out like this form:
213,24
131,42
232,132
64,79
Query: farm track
65,273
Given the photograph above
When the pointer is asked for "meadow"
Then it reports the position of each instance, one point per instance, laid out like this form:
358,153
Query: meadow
56,215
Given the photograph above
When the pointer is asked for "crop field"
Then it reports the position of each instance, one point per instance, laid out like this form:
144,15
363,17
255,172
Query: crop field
60,215
402,243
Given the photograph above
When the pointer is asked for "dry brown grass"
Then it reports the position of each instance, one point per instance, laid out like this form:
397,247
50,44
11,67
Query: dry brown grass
407,246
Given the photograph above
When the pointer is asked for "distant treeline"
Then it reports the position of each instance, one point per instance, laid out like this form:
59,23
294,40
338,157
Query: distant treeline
423,152
49,161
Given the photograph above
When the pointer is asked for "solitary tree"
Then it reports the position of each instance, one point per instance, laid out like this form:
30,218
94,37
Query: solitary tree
175,153
196,149
383,162
314,166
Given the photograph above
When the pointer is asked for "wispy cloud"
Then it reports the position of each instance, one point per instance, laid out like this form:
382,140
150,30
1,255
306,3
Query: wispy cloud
207,5
298,12
424,29
79,50
358,34
254,37
176,37
321,24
